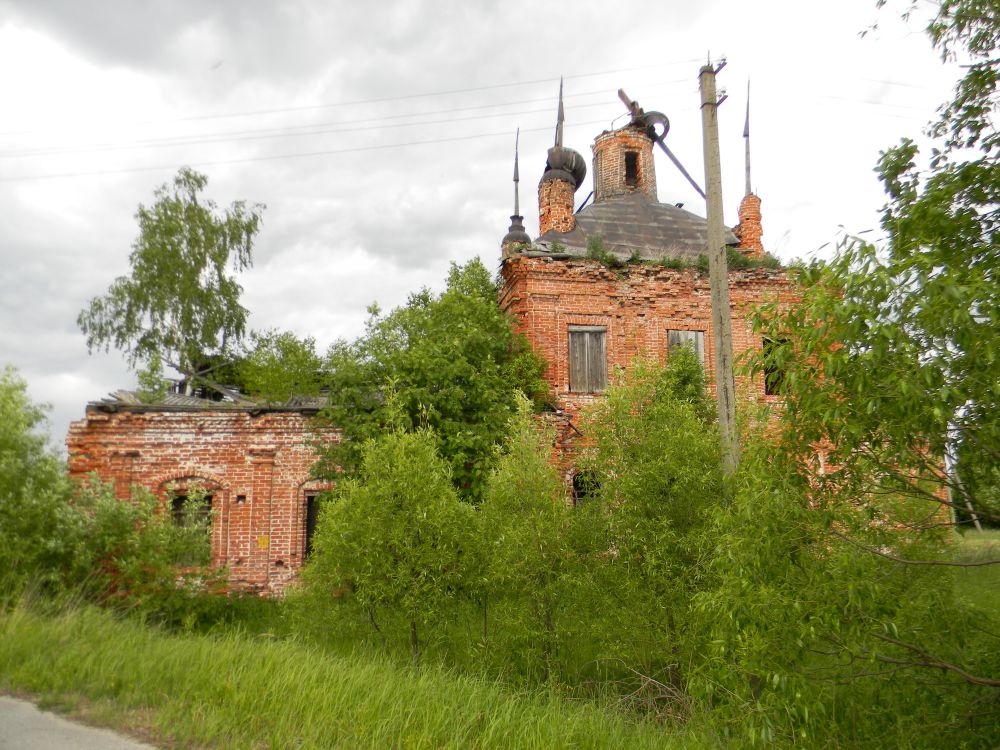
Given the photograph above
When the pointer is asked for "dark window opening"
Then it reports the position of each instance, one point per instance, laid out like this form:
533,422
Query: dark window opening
191,511
631,168
774,374
193,514
312,517
588,361
585,488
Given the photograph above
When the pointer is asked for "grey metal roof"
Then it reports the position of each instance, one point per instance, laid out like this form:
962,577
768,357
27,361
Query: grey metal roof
130,400
633,223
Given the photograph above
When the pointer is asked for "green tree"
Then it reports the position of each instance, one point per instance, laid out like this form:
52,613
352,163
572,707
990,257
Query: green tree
798,638
278,365
892,360
533,568
37,532
180,305
655,462
454,364
889,364
395,534
57,537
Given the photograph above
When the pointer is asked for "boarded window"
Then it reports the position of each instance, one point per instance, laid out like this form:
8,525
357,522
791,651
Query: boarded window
694,339
312,517
631,168
588,361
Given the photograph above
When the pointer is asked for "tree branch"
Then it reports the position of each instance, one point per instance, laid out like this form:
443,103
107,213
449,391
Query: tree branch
931,662
887,556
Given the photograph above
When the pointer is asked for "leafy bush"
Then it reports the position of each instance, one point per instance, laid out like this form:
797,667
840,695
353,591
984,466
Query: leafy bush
532,569
655,459
57,539
453,363
806,638
396,537
39,533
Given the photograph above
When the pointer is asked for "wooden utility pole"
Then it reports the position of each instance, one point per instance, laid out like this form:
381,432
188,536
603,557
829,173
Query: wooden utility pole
725,384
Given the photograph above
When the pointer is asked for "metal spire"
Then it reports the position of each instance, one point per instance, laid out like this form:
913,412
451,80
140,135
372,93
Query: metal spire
561,118
746,138
517,208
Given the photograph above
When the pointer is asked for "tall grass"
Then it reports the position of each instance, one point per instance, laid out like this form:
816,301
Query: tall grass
979,587
234,691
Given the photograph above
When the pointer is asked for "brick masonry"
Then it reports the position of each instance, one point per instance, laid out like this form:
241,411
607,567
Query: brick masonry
637,305
749,230
255,464
610,149
555,206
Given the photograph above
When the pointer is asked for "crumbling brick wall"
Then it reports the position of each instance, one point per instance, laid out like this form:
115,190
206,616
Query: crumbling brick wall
637,305
255,463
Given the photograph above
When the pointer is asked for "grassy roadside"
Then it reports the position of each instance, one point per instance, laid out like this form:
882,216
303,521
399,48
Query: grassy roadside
232,691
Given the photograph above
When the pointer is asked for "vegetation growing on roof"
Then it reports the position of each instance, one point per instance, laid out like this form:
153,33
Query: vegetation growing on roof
736,261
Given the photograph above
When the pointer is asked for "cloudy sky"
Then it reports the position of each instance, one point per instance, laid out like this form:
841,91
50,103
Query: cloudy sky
380,136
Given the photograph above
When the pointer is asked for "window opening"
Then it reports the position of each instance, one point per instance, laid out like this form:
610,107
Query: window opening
191,511
694,339
774,376
585,488
312,517
631,168
588,361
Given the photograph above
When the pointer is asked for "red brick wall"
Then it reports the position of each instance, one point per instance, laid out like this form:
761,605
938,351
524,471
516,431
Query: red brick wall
255,466
637,305
555,206
610,148
750,230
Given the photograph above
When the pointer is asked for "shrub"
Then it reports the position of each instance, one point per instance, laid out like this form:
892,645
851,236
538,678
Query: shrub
395,537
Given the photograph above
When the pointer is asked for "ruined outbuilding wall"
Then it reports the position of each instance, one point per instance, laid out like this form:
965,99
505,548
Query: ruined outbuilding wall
255,464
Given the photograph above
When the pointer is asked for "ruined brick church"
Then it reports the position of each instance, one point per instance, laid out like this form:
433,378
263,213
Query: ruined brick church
601,285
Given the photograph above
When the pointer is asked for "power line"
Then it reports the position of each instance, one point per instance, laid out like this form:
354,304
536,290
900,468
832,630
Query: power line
277,157
300,130
402,97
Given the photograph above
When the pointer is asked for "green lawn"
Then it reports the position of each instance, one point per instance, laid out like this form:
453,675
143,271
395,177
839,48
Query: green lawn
979,586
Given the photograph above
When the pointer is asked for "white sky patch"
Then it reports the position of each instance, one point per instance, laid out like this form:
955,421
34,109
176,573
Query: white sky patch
381,138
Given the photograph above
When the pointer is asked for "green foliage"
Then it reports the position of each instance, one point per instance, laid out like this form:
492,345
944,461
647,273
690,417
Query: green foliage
896,350
179,304
57,539
655,459
737,261
674,263
827,610
279,365
807,638
37,530
128,554
533,568
396,535
597,251
454,365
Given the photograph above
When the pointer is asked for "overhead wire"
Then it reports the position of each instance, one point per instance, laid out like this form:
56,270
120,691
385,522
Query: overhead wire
301,130
385,99
277,157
